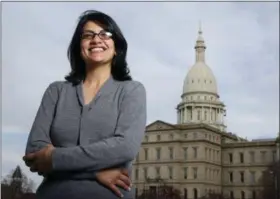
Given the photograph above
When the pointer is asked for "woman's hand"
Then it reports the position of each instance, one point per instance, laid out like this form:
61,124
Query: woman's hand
114,178
40,161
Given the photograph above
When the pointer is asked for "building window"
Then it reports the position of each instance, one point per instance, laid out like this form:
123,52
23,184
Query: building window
195,195
274,158
158,172
254,195
136,192
194,135
195,152
146,154
158,153
186,173
241,157
242,195
253,177
230,176
145,173
198,115
136,174
252,156
170,172
242,176
171,153
231,195
146,138
171,136
186,153
195,173
230,158
205,115
185,193
263,154
158,137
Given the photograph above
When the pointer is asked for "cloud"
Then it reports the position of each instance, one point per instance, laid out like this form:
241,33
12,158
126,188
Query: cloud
242,50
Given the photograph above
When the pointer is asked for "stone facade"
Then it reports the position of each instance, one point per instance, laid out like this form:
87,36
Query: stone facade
199,158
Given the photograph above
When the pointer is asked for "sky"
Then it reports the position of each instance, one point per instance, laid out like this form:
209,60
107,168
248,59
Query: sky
242,42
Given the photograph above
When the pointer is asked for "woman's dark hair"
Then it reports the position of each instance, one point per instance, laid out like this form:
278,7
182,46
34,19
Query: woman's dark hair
119,70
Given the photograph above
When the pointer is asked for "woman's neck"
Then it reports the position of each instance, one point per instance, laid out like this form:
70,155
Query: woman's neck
96,76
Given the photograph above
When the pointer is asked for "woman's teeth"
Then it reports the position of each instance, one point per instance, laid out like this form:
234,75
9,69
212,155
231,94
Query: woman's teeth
96,49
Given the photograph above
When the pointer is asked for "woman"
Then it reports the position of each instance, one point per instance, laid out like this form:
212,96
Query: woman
89,128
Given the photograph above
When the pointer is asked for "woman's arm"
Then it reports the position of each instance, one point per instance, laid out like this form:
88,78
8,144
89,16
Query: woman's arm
117,150
39,136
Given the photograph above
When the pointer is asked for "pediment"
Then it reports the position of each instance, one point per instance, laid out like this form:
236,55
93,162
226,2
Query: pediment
160,125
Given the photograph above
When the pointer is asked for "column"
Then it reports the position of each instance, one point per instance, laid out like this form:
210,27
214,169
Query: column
202,113
182,115
193,113
186,114
178,116
210,115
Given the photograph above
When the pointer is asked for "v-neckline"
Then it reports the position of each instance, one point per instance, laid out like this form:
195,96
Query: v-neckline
80,92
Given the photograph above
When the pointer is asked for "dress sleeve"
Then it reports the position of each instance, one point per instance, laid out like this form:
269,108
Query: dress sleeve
39,135
119,149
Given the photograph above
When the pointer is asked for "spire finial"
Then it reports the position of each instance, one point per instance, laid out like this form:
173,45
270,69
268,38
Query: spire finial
200,28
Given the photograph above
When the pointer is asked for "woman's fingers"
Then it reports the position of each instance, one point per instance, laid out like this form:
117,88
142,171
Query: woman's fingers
123,185
115,189
125,179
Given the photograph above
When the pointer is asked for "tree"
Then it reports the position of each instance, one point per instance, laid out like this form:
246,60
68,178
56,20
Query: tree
270,182
16,184
160,192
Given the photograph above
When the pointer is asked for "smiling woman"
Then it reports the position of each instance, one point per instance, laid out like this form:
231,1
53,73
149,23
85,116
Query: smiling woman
88,129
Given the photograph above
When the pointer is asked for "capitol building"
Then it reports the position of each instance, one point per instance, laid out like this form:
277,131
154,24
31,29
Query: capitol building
197,155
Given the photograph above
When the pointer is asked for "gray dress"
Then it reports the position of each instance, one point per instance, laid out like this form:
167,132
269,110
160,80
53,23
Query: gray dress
106,133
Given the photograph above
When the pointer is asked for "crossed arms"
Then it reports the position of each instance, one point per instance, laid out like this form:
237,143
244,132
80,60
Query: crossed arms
85,161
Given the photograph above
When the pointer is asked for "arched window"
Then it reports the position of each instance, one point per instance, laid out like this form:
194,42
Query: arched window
242,195
231,195
195,195
185,193
254,195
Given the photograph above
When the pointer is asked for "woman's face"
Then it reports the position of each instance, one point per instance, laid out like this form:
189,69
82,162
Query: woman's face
97,45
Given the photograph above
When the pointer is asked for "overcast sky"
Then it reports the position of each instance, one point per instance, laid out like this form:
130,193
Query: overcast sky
242,50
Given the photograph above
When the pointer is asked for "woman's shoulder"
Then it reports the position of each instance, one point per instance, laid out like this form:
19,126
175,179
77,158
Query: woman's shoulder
57,86
131,85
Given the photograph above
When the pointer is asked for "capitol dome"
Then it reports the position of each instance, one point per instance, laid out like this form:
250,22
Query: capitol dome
200,77
200,101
